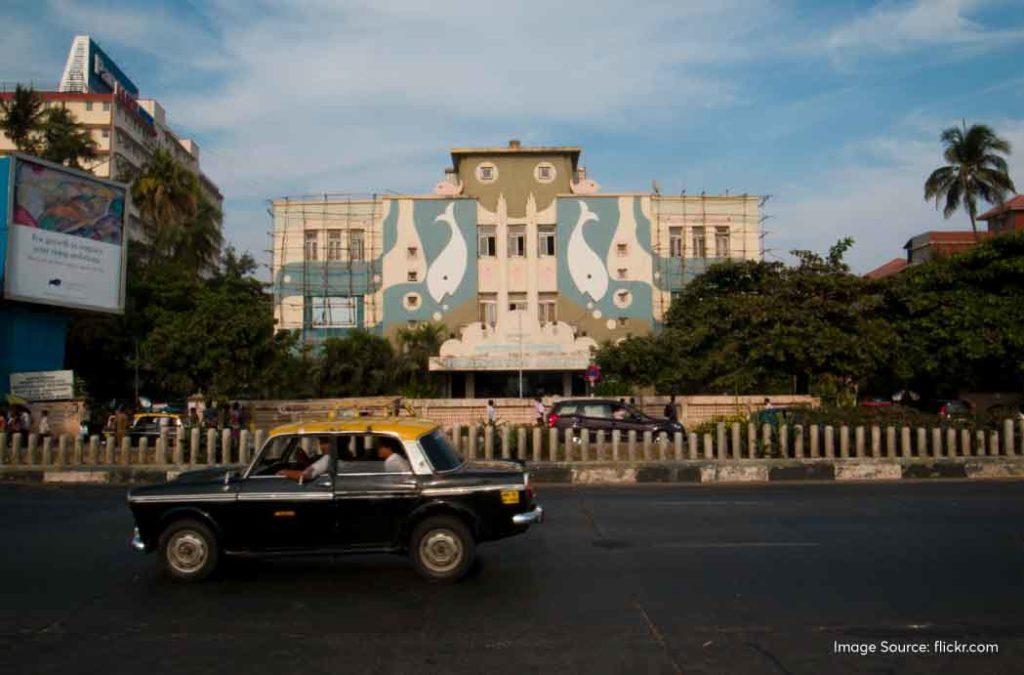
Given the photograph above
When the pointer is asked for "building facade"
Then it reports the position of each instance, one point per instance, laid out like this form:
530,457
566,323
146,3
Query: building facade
521,257
127,129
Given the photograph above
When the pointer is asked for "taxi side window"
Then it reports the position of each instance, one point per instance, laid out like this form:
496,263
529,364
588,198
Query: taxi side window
359,453
275,455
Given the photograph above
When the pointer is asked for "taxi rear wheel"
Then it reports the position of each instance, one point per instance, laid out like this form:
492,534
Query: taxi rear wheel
188,550
442,549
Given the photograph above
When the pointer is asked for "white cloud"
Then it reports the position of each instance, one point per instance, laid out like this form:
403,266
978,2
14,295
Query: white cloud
897,27
874,193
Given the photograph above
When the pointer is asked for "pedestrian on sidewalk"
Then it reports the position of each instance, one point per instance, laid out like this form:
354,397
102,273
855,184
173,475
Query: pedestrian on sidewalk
538,406
44,424
492,412
671,414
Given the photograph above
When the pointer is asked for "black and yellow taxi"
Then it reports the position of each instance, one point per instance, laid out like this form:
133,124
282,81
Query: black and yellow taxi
389,484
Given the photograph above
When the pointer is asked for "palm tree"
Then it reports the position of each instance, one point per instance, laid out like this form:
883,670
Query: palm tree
199,241
64,140
20,118
167,196
975,170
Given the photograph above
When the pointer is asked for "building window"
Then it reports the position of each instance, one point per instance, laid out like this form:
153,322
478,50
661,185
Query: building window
622,321
544,172
88,105
412,251
488,243
700,247
105,133
721,242
516,241
488,309
516,302
486,172
412,301
334,311
310,245
412,323
623,273
622,249
548,308
334,244
675,242
106,106
546,241
355,244
413,276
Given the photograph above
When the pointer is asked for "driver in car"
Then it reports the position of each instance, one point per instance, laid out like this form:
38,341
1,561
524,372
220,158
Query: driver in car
314,467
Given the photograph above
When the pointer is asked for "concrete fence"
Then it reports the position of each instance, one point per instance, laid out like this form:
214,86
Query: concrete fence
725,444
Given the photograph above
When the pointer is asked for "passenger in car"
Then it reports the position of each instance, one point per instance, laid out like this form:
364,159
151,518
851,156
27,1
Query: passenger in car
389,451
316,467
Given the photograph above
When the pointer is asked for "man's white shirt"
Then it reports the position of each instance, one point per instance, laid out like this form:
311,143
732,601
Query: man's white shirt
395,463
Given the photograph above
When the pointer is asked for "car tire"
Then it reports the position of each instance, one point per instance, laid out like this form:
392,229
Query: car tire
442,549
189,550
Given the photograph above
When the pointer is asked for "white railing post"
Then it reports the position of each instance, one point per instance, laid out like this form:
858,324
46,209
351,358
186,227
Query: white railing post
723,449
472,441
47,451
227,447
33,444
905,448
488,442
814,443
506,450
766,440
677,443
709,449
691,445
951,442
553,444
737,447
922,442
521,443
858,440
844,441
16,448
751,440
648,440
143,449
1008,443
876,441
936,442
243,447
616,441
830,442
584,445
890,442
538,443
798,441
62,449
211,446
3,447
784,441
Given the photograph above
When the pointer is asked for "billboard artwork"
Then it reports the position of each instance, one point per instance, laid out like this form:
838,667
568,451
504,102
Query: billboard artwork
66,239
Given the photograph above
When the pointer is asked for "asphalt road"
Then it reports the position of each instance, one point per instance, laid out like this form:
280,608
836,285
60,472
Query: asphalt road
686,579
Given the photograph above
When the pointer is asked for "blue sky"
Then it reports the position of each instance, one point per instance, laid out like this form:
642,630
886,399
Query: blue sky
833,108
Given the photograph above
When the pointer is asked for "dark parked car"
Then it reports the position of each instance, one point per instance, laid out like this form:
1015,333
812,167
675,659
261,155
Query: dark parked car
605,416
345,486
149,425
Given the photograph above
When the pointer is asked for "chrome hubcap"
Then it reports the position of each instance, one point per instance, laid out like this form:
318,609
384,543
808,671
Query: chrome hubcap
441,550
186,551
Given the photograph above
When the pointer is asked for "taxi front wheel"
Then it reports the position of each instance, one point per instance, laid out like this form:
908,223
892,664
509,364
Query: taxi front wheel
188,550
442,548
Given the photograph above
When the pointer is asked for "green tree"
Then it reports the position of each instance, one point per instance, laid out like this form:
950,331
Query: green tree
21,119
752,327
958,320
167,196
416,345
975,169
357,364
63,140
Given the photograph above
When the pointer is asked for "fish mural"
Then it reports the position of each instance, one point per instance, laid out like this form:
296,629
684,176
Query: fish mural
449,267
586,268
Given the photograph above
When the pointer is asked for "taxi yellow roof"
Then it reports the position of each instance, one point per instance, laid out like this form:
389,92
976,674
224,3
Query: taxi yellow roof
406,428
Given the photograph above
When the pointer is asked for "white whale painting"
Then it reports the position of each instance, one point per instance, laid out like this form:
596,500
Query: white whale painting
586,267
446,272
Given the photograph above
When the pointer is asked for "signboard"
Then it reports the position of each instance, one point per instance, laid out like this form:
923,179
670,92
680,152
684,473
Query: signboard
46,385
66,238
593,373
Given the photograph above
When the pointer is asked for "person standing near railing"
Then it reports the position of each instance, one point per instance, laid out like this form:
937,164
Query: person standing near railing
492,413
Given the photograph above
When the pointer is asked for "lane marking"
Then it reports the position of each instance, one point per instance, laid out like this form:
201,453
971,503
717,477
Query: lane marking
657,636
714,503
738,544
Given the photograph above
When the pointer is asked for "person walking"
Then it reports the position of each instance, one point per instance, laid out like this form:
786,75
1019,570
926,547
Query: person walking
44,424
492,412
671,414
539,408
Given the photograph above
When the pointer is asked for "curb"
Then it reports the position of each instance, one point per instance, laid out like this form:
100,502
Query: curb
626,473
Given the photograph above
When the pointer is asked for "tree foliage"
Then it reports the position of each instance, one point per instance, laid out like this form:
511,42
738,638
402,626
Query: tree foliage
51,133
762,327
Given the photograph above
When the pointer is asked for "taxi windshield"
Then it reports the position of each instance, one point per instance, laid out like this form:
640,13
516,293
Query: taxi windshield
439,451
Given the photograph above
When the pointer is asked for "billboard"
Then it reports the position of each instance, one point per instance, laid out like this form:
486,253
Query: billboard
65,237
89,69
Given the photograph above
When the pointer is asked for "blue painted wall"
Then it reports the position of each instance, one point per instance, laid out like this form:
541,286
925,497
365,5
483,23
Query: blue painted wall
30,340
